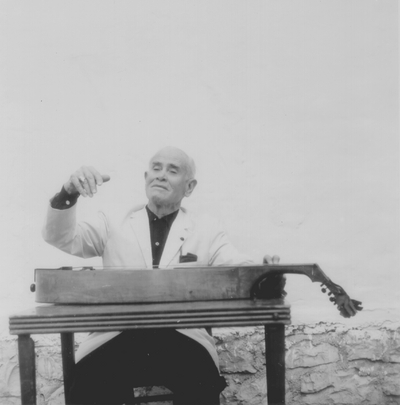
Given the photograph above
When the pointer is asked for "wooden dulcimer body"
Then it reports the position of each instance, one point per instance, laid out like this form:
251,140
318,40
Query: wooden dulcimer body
122,286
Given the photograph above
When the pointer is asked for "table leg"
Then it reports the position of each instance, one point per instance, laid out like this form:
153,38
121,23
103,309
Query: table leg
275,362
68,361
27,372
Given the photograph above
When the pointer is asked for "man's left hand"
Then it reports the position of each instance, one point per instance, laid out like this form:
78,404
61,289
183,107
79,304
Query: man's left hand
271,260
275,283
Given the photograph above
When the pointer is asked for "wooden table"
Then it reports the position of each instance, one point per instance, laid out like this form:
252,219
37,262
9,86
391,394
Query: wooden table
69,319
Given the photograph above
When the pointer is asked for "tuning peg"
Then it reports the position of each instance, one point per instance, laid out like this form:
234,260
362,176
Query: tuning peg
329,293
323,290
332,299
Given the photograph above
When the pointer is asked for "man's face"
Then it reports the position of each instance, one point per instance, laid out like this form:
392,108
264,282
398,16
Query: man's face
167,180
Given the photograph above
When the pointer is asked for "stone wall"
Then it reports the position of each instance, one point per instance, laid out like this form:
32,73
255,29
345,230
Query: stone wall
325,364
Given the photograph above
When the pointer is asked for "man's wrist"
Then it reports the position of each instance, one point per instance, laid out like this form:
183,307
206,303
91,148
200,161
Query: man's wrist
69,188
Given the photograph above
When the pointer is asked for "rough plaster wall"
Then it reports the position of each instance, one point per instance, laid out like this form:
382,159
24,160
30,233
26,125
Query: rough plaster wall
325,364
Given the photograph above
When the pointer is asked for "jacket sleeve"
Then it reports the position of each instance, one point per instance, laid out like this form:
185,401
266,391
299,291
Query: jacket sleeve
223,253
84,239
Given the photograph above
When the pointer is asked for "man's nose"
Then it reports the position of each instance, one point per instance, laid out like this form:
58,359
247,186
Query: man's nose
161,175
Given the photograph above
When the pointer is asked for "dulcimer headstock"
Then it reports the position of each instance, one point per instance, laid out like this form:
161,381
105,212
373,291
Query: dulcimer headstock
347,307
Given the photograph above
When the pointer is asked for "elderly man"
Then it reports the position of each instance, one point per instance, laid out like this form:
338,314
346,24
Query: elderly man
159,234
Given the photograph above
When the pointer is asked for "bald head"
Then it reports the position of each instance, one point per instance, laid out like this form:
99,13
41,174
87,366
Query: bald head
187,161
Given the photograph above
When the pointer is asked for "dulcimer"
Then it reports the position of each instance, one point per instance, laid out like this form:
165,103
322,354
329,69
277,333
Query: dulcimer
119,285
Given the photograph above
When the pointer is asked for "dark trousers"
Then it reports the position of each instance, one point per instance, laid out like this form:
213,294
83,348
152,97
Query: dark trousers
106,376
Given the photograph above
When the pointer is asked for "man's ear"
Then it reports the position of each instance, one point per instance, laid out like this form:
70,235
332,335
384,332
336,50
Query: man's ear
145,175
190,187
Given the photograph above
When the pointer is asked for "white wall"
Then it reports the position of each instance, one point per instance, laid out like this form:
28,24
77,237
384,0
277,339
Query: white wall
289,108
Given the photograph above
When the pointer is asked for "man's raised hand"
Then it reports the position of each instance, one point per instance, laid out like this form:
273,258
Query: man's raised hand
85,181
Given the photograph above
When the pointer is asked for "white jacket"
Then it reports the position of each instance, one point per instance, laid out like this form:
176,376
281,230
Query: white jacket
124,241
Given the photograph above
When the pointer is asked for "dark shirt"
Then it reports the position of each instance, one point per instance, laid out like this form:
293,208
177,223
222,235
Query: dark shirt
159,230
159,227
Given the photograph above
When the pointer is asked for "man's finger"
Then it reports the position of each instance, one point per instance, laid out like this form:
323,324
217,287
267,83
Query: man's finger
78,184
95,175
89,183
84,184
267,259
101,178
105,177
98,178
271,260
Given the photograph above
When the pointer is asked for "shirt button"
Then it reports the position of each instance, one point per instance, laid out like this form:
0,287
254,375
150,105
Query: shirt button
67,202
157,244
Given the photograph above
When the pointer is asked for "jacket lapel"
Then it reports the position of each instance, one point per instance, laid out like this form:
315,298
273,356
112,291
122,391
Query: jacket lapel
140,225
177,236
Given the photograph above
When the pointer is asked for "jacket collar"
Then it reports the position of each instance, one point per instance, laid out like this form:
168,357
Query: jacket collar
178,233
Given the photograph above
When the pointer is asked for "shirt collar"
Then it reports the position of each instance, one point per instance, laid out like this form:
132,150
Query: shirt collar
169,219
